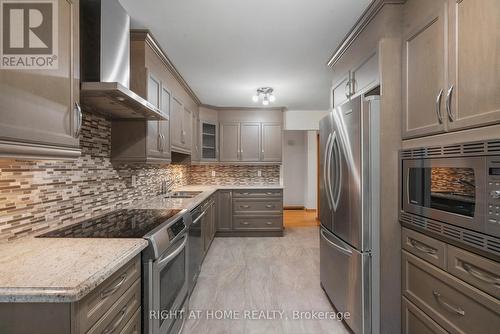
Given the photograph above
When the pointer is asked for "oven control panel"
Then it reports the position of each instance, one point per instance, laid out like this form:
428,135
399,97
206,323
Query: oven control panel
176,228
494,190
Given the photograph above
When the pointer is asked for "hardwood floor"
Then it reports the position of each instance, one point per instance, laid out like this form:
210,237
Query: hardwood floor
300,218
261,275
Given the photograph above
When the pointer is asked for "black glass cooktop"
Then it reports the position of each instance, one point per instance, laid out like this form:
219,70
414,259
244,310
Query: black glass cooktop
125,223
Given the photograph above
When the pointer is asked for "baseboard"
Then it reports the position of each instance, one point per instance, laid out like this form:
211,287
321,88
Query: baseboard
310,210
293,207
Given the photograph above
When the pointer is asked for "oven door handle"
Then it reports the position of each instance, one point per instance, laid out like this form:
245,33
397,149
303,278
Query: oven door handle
164,260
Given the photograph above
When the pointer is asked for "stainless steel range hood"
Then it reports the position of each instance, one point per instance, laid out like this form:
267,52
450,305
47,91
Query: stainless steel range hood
105,63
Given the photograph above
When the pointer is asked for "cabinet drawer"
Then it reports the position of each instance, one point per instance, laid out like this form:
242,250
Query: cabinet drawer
258,223
120,313
457,306
134,324
417,322
250,193
427,248
251,205
482,273
96,303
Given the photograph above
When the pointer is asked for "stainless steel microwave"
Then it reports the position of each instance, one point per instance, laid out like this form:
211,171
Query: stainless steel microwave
460,188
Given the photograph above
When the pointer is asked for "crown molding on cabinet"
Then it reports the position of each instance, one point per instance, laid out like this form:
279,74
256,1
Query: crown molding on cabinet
373,8
145,35
209,106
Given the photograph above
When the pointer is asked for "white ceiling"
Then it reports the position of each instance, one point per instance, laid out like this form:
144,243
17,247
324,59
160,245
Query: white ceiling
226,49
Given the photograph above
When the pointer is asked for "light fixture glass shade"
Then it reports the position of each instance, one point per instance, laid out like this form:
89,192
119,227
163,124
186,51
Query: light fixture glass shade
272,98
255,98
265,102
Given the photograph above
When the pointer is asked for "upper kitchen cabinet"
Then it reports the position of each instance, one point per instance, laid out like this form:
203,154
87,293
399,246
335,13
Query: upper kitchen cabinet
230,141
39,113
145,140
250,141
181,125
451,72
196,133
473,94
271,142
424,67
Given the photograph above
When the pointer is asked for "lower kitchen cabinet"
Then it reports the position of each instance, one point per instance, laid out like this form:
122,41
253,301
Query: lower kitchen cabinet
460,296
112,307
224,210
252,212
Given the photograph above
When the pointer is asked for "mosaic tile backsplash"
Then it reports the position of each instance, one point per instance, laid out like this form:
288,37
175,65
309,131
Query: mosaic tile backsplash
38,195
234,174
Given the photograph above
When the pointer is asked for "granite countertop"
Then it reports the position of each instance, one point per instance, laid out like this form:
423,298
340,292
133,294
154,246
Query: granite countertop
161,202
67,269
60,269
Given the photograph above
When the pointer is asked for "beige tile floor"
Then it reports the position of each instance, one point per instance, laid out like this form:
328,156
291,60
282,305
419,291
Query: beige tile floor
262,274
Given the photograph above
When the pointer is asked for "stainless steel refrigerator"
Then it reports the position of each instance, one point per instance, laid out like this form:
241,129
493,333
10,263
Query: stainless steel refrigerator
349,210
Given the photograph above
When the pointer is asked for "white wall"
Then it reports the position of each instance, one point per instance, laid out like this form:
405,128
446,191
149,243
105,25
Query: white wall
294,168
303,119
312,170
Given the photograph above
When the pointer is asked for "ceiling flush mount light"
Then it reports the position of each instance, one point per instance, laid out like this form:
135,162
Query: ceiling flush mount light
265,94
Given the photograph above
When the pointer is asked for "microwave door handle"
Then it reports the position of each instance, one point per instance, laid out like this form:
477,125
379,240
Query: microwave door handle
163,261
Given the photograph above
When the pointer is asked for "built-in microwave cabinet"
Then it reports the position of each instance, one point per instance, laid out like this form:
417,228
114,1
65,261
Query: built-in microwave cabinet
450,66
39,113
138,140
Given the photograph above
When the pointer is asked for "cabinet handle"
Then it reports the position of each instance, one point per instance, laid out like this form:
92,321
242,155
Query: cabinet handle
438,106
244,206
440,300
421,247
111,329
269,206
269,223
481,275
448,103
347,89
245,223
112,290
270,193
78,111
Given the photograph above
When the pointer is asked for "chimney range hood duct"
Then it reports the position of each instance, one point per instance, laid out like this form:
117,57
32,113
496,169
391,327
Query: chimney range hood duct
105,63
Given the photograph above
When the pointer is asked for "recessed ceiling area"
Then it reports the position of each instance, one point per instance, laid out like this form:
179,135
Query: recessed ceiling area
226,49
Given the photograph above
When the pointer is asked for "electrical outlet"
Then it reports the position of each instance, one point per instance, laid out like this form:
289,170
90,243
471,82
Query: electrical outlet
259,173
180,175
213,173
134,181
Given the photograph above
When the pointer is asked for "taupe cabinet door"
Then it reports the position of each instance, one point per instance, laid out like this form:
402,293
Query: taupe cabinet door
154,141
164,126
474,62
229,141
176,118
424,86
250,142
187,129
38,114
224,210
341,91
271,142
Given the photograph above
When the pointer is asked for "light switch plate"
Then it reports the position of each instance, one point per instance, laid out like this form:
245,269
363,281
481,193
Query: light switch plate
213,173
259,173
134,181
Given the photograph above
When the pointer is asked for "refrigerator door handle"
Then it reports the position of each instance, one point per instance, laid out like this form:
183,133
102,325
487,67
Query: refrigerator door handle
336,188
326,171
341,248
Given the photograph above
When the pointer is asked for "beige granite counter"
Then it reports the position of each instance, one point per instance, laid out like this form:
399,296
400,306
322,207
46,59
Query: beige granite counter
66,269
59,269
161,202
